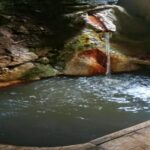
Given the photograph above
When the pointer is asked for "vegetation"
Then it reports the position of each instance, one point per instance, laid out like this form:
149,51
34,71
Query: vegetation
40,71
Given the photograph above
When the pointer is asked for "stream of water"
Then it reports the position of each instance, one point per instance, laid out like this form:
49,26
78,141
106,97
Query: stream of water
108,50
63,111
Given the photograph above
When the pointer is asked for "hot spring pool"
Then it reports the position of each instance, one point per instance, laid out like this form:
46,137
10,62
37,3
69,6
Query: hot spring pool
63,111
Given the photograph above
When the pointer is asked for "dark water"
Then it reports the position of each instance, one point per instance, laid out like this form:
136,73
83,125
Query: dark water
62,111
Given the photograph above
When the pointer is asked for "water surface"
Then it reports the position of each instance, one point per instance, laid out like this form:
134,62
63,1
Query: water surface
63,111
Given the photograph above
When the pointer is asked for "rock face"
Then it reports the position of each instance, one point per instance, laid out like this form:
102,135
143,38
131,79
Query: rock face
18,60
17,55
90,59
15,59
87,63
15,73
138,7
29,51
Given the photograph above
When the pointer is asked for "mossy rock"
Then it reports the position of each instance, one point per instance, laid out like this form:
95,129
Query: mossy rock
87,39
39,71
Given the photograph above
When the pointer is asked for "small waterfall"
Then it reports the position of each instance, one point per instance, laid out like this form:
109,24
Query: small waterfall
107,46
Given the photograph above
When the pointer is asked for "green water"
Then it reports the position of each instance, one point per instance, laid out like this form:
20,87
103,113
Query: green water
63,111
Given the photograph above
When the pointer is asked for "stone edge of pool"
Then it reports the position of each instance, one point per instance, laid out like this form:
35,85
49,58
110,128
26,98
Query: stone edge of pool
92,145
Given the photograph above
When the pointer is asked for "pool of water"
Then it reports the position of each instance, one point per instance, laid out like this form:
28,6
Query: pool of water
62,111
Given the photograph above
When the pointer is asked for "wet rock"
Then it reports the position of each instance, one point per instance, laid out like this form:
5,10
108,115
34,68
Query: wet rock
87,39
86,55
87,63
15,73
121,63
39,71
94,62
9,83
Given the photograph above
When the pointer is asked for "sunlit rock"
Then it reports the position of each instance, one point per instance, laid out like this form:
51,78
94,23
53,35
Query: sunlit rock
103,20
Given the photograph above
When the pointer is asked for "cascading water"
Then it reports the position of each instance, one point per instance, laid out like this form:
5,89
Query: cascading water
108,50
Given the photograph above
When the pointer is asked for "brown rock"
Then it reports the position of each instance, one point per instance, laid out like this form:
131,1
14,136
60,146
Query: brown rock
21,55
5,61
16,73
94,21
122,63
88,63
9,83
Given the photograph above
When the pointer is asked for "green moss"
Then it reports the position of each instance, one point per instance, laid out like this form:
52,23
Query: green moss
32,50
87,39
40,71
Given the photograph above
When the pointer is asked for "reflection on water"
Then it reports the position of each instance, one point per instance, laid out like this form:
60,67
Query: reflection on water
62,111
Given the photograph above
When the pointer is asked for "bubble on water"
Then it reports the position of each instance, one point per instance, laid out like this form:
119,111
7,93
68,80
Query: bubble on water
13,93
32,96
131,109
81,118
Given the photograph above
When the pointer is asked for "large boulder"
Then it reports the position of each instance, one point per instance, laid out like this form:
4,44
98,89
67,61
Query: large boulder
87,63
